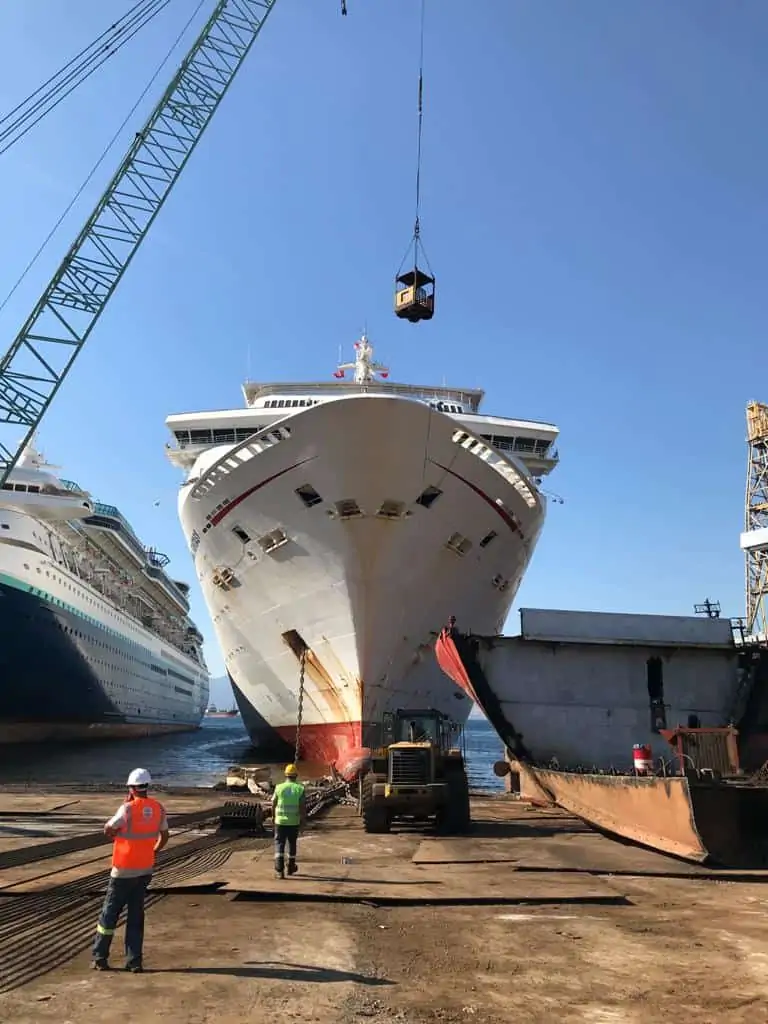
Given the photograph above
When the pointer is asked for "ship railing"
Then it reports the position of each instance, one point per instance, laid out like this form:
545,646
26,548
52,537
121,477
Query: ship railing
531,448
508,466
70,485
260,442
171,629
114,513
125,533
168,584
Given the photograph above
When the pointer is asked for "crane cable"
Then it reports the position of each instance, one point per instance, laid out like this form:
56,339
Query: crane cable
25,115
104,154
415,241
417,226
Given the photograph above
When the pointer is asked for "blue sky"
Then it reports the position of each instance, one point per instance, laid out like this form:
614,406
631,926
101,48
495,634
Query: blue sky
594,208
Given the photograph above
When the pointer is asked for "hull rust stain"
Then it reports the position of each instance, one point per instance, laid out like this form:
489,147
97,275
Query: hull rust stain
654,812
338,703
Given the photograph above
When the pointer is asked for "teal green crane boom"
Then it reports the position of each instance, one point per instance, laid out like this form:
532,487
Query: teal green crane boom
42,354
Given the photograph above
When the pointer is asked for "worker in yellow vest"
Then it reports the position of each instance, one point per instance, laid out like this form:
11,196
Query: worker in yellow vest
288,814
140,831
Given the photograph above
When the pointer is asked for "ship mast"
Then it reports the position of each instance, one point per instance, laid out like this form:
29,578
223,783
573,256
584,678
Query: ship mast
365,368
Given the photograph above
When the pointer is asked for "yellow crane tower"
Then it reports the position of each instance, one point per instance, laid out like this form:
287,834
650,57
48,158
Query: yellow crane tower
754,539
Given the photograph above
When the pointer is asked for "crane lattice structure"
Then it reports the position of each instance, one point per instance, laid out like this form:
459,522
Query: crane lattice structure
42,354
754,540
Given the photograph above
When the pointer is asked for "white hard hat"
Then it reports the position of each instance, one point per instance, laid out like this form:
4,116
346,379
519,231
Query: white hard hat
139,777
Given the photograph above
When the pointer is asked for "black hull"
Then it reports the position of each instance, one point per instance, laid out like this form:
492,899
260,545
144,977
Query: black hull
264,737
64,676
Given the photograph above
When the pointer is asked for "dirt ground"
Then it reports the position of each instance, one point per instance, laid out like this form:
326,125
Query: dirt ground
688,946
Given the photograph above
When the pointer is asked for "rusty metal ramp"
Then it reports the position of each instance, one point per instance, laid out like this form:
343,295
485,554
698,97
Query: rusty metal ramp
718,823
346,865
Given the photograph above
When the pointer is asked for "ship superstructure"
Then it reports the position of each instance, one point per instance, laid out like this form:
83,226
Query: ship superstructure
334,526
95,636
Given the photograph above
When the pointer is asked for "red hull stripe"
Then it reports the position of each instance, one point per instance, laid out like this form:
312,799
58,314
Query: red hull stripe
326,742
215,520
336,743
507,516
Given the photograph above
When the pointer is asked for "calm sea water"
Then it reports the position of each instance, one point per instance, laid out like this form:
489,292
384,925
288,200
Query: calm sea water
189,759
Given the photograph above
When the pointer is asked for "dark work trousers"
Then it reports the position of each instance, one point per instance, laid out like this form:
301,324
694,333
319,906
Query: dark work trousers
285,834
122,893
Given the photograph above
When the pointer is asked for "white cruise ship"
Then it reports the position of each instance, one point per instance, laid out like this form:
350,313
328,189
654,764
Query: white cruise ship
336,526
95,636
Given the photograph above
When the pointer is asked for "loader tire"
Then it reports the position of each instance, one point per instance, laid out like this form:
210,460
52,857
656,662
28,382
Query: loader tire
456,819
375,816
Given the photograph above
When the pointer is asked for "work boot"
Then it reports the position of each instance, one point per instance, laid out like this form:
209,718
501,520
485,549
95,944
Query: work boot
100,965
135,968
292,868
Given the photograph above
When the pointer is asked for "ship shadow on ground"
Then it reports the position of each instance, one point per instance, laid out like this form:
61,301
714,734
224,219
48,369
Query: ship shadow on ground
492,829
269,970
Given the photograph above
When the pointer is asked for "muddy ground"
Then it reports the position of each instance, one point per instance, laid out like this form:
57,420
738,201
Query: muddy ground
656,949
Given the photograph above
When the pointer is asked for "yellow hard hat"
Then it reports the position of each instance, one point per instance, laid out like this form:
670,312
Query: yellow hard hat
290,769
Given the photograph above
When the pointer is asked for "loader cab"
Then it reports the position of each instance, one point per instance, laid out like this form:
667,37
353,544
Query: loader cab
425,727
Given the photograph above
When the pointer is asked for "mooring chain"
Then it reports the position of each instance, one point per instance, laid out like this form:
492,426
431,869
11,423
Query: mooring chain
302,668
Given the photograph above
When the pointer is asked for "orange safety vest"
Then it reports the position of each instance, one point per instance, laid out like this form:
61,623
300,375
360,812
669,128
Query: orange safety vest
134,846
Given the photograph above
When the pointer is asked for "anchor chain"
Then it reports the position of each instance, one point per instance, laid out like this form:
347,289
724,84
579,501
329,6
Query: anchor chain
300,713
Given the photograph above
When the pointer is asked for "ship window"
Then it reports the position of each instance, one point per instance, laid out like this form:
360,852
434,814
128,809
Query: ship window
240,533
487,539
428,496
308,495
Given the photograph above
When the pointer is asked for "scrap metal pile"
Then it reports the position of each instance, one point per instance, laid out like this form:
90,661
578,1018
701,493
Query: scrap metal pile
250,814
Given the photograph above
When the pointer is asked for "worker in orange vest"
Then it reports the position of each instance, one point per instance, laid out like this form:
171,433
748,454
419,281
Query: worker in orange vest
140,831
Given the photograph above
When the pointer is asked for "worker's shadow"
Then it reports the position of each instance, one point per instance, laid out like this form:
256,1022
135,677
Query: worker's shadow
267,969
